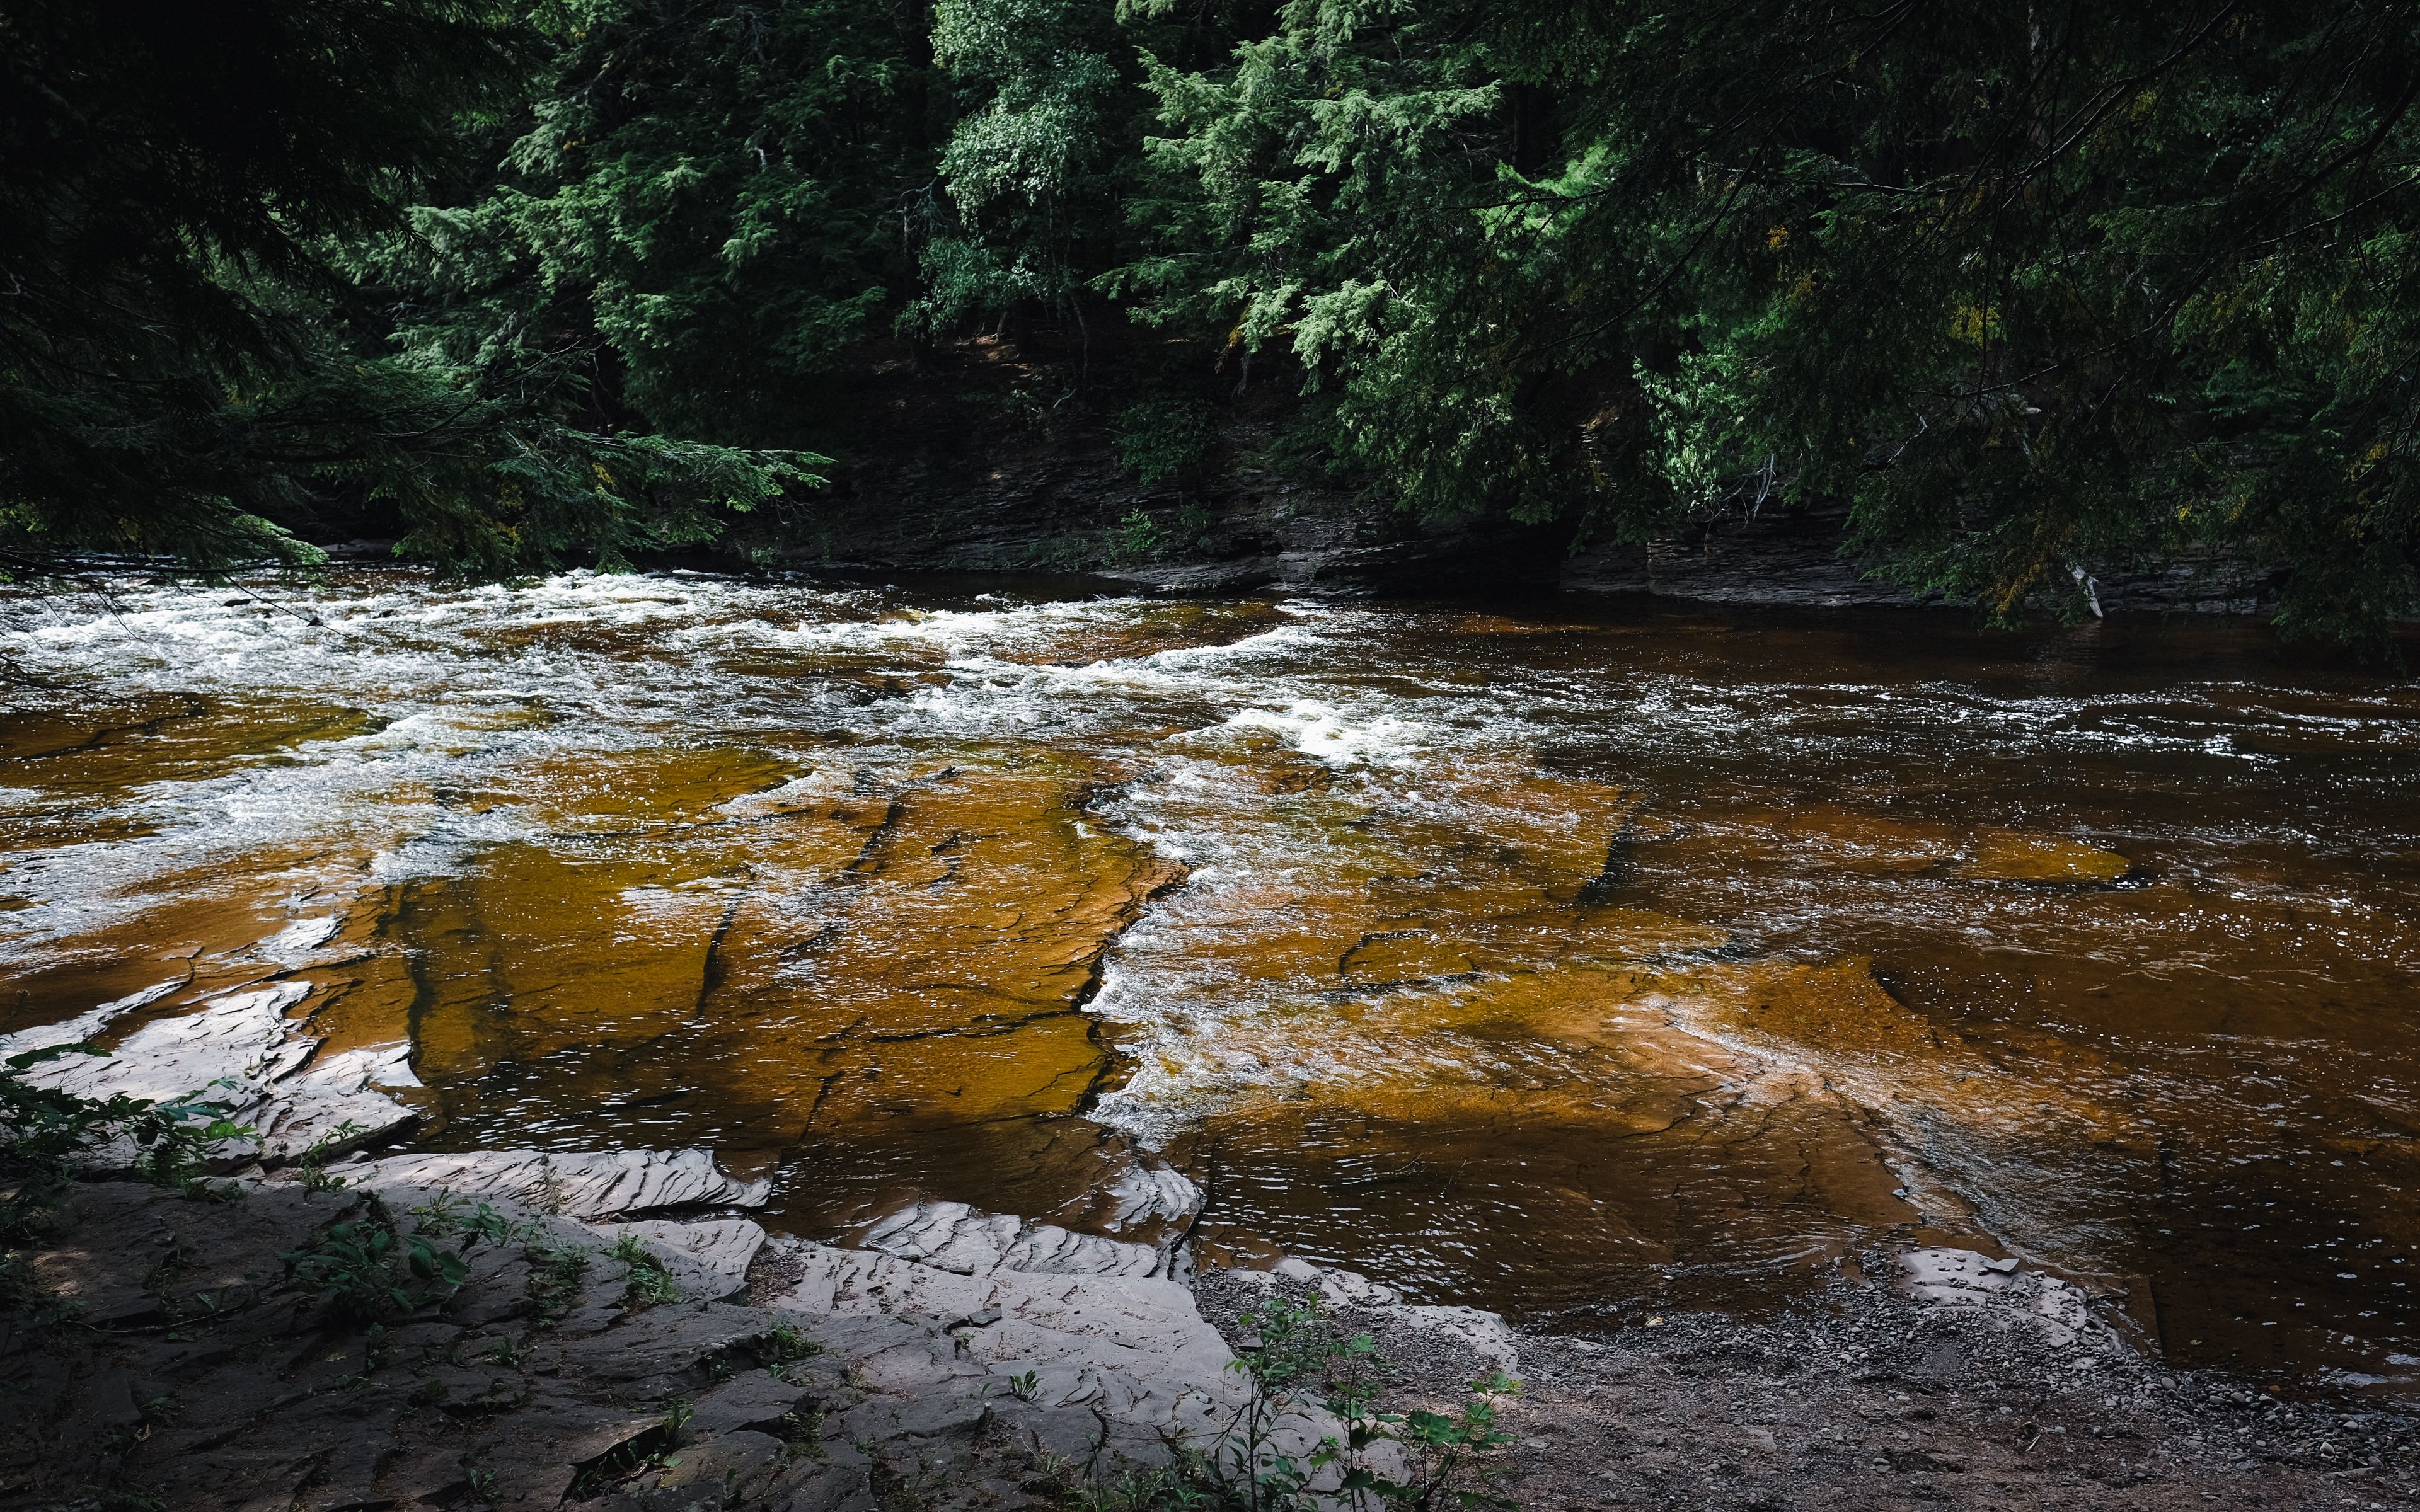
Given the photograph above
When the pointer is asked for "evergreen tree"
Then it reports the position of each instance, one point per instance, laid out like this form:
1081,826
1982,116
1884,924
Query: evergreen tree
1031,169
171,175
2031,289
180,351
701,219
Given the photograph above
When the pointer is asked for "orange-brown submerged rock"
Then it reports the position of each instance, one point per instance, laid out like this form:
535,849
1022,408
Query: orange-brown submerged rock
2012,856
105,749
914,953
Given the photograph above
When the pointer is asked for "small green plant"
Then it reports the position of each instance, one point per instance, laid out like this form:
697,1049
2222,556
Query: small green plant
648,1451
803,1429
1194,524
1177,1487
556,1273
1300,1351
1026,1387
43,1130
913,1489
788,1343
1139,537
173,1138
483,1485
371,1272
1295,1347
311,1167
1444,1449
785,1345
442,1216
650,1283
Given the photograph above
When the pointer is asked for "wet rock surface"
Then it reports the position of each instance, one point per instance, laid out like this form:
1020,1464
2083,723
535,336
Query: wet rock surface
1797,556
952,1236
964,488
580,1184
175,1353
165,1350
1545,959
1861,1398
242,1051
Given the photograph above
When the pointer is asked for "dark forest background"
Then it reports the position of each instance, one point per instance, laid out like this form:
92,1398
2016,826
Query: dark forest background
2020,287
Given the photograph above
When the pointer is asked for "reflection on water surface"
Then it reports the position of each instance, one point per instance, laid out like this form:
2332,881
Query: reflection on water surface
1565,961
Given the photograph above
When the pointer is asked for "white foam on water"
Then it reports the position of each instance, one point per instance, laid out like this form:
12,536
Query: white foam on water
1320,731
808,789
1285,640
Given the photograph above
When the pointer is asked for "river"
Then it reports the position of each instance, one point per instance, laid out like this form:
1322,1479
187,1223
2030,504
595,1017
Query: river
1575,959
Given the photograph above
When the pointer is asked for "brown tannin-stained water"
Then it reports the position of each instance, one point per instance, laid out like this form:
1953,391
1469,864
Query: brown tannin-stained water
1568,960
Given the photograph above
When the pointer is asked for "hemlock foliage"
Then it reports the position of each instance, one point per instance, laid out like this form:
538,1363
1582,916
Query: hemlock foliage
2026,289
187,347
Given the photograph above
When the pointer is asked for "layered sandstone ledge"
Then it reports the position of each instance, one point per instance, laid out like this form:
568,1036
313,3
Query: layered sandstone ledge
625,1336
959,1359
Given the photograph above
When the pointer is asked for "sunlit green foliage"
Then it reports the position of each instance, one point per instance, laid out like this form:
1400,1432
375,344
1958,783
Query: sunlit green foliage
1043,87
45,1133
697,219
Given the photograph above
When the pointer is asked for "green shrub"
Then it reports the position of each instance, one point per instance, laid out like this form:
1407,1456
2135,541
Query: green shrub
555,1272
42,1130
1300,1357
370,1272
649,1283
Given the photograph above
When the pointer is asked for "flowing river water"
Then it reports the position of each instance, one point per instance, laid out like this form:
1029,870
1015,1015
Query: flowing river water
1575,961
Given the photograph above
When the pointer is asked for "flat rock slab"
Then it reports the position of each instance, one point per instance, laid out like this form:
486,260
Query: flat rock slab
1134,1350
952,1236
1147,1202
201,1377
707,1259
329,1106
84,1026
242,1051
586,1185
1484,1334
241,1037
2010,1294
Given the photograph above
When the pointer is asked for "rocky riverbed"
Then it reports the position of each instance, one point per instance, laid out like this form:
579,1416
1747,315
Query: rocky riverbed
1867,1396
611,1328
171,1351
1828,1033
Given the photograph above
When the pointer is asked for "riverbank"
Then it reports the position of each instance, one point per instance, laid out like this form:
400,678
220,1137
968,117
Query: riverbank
201,1350
1865,1396
985,456
322,1326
